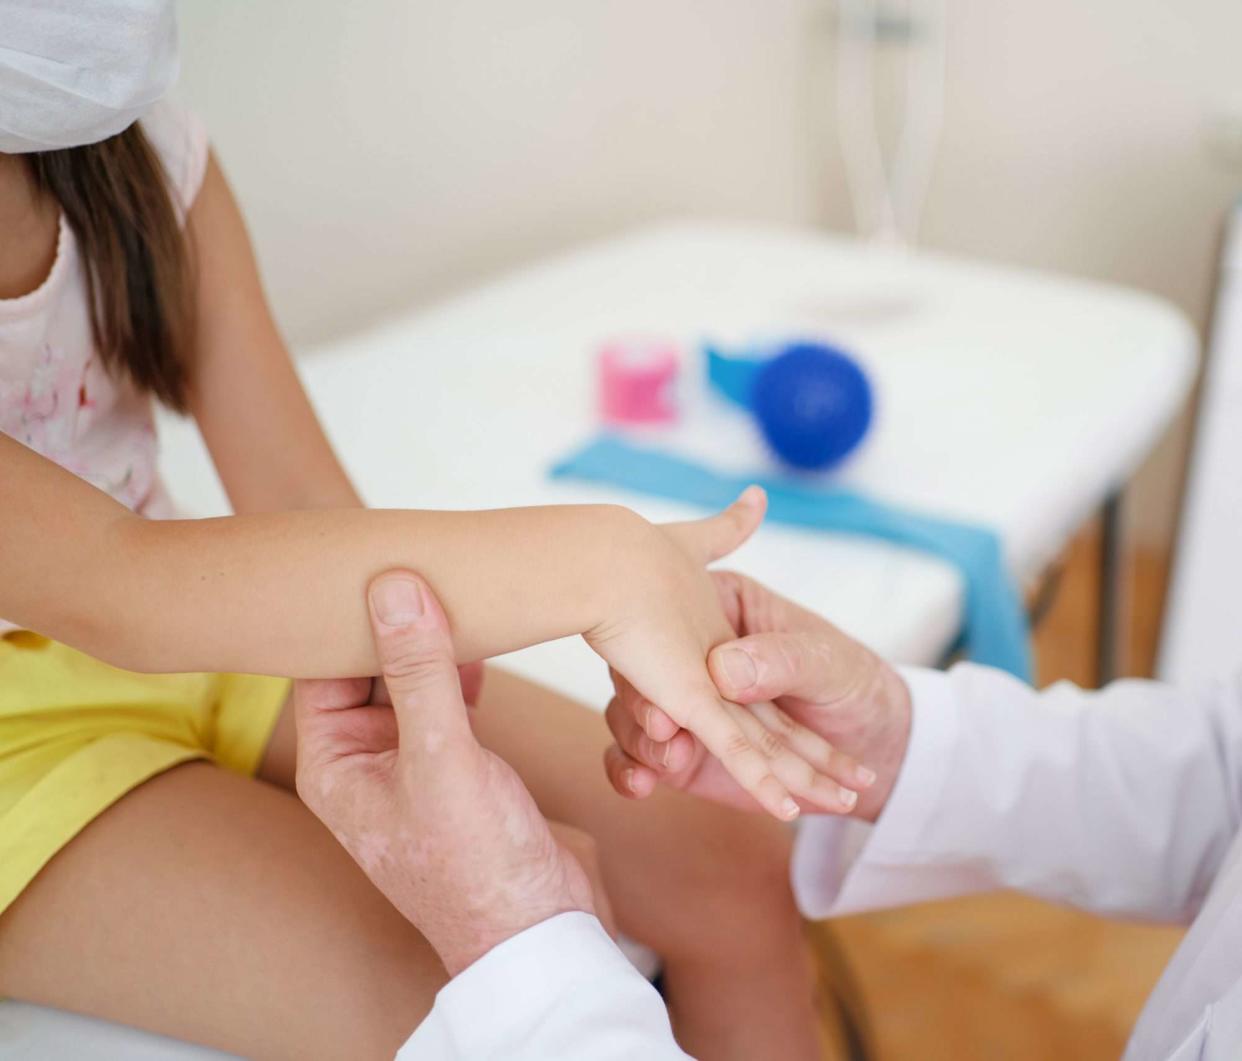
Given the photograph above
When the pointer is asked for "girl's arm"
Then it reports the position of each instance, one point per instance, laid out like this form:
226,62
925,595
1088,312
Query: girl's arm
263,436
283,593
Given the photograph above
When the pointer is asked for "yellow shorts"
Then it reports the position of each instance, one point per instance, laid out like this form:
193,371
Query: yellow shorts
77,734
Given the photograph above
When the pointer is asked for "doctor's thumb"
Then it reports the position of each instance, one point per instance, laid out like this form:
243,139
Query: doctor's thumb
771,665
415,650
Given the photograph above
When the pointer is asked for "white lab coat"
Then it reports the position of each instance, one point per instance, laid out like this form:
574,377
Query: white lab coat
1125,802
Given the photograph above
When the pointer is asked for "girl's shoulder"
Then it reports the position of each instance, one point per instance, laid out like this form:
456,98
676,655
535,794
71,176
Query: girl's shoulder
180,140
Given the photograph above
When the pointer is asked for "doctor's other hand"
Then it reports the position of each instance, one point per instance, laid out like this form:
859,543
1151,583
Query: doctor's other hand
822,681
444,828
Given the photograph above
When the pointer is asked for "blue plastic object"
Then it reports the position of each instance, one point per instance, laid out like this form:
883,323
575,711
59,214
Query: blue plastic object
732,374
813,404
812,401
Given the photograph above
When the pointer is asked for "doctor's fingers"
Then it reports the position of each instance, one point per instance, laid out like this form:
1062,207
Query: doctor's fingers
415,651
324,710
820,666
753,608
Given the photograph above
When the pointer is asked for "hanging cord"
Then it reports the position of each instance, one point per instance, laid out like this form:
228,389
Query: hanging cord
888,200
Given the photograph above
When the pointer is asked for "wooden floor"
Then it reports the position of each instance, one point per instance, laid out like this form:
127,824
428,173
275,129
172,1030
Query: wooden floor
1004,976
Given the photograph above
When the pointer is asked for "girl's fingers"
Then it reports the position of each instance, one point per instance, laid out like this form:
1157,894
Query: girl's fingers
811,787
663,757
631,779
713,721
705,540
810,746
810,769
657,725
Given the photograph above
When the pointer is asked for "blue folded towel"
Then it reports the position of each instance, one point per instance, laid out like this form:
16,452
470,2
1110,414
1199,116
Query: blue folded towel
995,630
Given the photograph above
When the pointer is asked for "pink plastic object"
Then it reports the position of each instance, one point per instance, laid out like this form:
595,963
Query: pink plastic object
636,378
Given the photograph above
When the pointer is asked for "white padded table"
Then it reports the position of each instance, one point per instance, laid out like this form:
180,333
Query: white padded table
1013,399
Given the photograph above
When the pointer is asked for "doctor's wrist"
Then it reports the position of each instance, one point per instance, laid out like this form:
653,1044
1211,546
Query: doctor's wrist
882,743
462,943
869,720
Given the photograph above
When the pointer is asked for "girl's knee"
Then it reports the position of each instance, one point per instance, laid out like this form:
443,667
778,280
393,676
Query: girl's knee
733,890
753,861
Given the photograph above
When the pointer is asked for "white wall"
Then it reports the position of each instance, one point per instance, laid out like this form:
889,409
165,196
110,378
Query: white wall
388,150
1075,139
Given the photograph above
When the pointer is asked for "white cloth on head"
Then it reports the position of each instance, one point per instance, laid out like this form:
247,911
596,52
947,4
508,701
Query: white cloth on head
74,72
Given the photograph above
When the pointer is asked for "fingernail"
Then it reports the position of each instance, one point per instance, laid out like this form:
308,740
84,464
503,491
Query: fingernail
627,778
666,754
789,809
865,776
738,668
849,799
397,601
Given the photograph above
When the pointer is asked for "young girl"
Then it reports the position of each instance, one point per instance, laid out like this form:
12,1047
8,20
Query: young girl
155,867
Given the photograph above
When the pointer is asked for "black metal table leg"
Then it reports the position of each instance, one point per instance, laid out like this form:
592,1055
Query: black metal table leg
1112,580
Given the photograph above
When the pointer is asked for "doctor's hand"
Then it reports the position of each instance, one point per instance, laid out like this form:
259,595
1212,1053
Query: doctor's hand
444,828
824,682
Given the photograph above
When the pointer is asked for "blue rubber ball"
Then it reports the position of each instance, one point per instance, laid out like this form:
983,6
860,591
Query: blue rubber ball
813,404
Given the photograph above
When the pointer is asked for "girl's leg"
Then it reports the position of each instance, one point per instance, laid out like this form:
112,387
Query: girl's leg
217,909
706,887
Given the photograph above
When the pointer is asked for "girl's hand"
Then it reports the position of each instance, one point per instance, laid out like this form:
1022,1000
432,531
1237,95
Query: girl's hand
663,618
802,676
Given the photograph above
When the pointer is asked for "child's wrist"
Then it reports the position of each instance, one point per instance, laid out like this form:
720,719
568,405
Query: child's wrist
620,541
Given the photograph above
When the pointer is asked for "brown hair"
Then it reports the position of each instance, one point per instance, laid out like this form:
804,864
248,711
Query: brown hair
115,196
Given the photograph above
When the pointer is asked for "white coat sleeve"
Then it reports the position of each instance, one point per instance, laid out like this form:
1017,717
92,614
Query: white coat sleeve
1122,801
558,991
